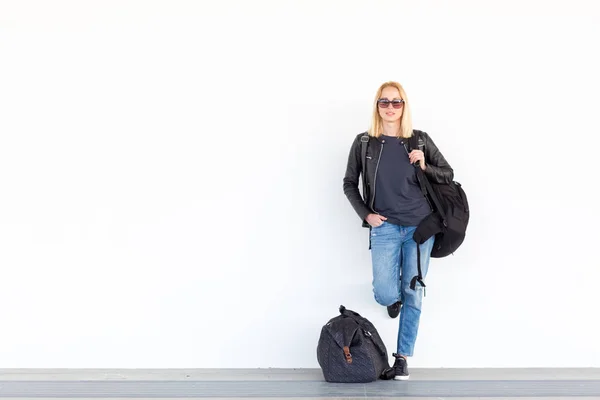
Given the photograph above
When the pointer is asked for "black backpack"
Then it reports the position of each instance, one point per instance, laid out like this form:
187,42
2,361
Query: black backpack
350,350
449,220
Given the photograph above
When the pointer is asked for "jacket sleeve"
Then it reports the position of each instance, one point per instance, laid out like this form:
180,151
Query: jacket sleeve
437,168
351,178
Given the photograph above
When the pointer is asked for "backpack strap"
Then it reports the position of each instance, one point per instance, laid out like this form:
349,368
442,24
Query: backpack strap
419,277
425,182
364,141
413,144
426,188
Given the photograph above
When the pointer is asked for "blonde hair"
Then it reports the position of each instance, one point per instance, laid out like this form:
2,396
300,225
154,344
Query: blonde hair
376,128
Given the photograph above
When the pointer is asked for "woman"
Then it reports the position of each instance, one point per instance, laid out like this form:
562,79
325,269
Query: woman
392,207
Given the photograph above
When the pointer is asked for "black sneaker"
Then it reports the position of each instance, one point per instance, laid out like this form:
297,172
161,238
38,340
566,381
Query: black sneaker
394,309
400,368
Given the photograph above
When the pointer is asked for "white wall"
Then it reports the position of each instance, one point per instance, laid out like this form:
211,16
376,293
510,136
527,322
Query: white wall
171,178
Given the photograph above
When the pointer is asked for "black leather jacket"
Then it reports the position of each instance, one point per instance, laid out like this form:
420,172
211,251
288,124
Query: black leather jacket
437,170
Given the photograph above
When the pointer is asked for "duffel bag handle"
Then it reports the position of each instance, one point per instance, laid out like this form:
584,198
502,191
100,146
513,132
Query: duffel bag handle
352,314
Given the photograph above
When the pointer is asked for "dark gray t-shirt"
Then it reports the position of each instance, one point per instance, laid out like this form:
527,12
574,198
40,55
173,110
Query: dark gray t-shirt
397,192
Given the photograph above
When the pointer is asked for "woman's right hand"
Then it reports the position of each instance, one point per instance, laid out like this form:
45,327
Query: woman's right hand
375,220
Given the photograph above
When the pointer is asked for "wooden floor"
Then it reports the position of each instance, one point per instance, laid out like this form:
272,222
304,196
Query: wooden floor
297,383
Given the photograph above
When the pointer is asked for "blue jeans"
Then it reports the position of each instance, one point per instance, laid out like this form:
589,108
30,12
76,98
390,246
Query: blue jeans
394,256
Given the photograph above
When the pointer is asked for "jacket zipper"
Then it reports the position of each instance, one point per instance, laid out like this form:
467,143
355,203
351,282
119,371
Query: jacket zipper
375,180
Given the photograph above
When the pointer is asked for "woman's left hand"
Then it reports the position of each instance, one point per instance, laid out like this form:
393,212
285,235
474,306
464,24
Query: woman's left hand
417,155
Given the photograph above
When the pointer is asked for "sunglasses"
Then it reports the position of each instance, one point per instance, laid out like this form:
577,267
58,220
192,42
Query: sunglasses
385,103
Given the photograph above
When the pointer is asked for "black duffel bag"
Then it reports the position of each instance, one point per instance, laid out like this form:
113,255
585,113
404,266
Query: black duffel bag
350,350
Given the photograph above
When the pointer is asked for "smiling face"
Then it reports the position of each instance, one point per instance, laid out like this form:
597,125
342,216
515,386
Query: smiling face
390,114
